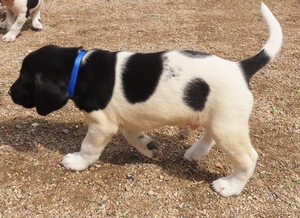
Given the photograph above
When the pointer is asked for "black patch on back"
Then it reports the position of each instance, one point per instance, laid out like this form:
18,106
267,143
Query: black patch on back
141,76
31,4
196,93
96,80
194,54
251,65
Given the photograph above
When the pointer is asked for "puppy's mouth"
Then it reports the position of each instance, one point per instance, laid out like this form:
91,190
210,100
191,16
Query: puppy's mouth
21,100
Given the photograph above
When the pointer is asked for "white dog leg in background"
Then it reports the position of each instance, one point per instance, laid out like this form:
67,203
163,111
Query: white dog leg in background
143,143
200,148
35,17
15,29
9,20
3,25
99,134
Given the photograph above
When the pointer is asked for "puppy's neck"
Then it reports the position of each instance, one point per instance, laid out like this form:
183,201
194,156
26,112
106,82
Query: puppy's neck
74,74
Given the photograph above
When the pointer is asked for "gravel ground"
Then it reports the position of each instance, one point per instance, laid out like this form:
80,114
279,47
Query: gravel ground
123,183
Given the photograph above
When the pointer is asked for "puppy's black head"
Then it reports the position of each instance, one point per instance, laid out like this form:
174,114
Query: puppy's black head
22,91
44,79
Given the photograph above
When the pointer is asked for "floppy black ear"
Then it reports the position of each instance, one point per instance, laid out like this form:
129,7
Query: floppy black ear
51,93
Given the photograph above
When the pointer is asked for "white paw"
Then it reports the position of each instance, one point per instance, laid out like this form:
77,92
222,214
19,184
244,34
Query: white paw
228,186
74,162
193,154
37,25
8,37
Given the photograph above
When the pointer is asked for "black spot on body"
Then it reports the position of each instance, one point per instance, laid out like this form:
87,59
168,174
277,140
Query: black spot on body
194,54
196,93
251,65
141,76
31,4
170,72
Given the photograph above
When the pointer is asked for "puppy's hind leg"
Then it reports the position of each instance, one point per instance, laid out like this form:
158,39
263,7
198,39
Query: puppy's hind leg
99,134
143,143
236,144
200,148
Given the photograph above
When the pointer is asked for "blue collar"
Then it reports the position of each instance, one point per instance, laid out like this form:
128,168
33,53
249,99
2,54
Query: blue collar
74,74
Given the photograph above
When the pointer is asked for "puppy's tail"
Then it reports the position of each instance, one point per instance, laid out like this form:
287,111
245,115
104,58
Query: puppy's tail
251,65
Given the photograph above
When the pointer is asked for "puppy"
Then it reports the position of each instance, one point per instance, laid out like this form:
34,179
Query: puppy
17,12
138,92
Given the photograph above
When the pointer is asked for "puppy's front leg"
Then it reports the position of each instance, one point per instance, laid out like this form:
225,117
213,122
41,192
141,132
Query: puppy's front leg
99,134
35,17
143,143
15,29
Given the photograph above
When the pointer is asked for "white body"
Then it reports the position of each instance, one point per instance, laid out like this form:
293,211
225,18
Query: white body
225,115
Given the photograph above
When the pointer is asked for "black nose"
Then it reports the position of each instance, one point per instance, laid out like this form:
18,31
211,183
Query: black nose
9,91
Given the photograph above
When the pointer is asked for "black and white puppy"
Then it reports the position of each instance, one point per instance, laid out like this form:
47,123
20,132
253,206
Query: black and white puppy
138,92
17,12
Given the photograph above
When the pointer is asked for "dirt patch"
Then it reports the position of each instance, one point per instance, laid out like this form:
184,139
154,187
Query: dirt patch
123,183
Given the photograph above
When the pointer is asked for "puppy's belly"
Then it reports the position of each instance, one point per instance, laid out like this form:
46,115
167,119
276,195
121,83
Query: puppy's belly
147,124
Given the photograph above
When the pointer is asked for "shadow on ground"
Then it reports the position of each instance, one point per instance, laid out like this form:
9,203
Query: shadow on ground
28,134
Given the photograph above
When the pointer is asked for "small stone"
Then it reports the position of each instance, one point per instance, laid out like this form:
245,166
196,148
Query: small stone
167,178
34,124
66,131
19,195
18,126
150,193
219,165
127,188
297,199
129,177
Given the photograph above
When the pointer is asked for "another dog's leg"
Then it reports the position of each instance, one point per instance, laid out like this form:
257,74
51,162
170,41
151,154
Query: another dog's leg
35,17
3,24
9,20
14,30
99,134
143,143
200,148
236,144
